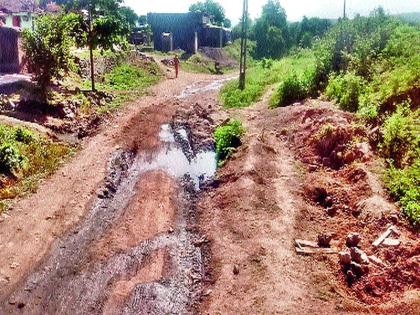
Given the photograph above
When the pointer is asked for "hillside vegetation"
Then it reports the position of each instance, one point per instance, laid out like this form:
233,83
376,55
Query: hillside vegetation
369,66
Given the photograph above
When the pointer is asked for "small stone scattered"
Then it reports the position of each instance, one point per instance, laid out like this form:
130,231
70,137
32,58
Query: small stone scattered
359,256
345,258
236,270
353,240
324,240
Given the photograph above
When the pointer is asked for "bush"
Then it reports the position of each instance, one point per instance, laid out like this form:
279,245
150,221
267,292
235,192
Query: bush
292,89
404,185
11,160
24,135
228,138
345,89
401,135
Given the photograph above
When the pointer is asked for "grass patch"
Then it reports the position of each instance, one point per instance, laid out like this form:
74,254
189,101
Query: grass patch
25,158
264,74
228,139
127,82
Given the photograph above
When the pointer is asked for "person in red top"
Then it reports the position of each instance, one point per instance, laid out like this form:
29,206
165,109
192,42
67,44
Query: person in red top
176,63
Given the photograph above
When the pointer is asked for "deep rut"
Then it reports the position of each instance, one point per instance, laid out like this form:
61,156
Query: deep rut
86,273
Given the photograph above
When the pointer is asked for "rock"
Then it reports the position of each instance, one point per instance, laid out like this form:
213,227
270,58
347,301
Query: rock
358,269
394,218
324,240
353,240
14,265
331,211
351,277
345,258
236,270
359,256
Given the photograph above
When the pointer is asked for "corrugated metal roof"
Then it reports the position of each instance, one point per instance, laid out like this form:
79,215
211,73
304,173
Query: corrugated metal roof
15,6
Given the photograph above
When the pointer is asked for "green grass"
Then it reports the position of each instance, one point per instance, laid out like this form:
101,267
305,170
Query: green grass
265,74
127,82
228,139
28,158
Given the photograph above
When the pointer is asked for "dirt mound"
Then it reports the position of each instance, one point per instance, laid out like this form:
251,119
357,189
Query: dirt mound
340,182
219,55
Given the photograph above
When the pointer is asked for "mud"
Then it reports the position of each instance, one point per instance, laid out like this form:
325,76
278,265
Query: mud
94,270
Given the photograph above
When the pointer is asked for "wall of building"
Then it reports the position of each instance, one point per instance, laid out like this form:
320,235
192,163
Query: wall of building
26,20
10,57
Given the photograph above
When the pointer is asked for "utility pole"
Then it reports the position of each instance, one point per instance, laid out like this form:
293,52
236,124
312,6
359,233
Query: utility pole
244,43
344,10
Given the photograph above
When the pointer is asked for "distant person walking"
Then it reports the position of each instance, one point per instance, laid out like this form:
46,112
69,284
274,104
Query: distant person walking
176,63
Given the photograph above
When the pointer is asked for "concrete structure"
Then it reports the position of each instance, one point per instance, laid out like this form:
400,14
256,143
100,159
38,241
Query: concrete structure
186,31
18,13
10,54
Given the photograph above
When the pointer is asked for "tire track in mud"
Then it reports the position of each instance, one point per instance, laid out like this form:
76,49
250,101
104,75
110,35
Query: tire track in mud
71,280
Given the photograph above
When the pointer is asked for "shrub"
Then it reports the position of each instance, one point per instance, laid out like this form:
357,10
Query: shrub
292,89
345,89
11,159
228,138
401,135
24,135
404,185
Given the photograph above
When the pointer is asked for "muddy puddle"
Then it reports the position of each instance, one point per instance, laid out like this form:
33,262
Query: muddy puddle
178,159
202,87
72,281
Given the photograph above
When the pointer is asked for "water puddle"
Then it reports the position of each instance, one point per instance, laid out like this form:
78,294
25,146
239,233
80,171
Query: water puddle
198,87
178,159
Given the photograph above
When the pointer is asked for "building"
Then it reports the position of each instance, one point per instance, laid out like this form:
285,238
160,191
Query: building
186,31
17,13
10,54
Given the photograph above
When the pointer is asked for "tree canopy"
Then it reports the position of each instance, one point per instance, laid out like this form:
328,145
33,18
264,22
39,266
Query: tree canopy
214,10
272,30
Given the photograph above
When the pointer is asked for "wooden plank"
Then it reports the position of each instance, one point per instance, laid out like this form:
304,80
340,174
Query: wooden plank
315,251
382,237
304,243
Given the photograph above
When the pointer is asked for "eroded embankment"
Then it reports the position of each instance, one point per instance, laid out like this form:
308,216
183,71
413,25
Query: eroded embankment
137,251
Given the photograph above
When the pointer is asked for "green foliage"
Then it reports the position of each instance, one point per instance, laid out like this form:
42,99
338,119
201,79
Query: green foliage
304,33
47,49
266,73
128,77
404,184
26,157
24,135
401,135
11,160
212,9
228,138
234,51
272,29
345,89
289,91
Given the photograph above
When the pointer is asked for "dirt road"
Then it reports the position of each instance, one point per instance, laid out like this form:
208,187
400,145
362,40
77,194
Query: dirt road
139,223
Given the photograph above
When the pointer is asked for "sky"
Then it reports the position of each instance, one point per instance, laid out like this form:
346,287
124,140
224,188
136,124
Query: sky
295,9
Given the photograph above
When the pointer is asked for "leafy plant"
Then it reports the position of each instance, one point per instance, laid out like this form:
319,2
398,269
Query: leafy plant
11,160
24,135
345,89
228,138
401,135
404,184
47,50
290,90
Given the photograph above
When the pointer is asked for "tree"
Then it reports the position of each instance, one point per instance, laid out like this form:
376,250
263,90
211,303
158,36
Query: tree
272,30
47,49
102,24
214,10
130,17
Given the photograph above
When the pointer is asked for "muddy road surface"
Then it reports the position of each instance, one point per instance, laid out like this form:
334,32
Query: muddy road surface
134,247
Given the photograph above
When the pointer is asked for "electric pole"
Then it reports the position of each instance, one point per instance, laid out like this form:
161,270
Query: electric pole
244,43
344,10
